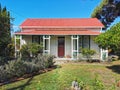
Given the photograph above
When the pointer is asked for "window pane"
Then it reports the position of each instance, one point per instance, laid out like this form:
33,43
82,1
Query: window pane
75,44
35,39
85,41
46,44
74,54
41,39
74,36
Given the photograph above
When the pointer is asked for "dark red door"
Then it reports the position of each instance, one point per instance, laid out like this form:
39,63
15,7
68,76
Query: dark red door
61,48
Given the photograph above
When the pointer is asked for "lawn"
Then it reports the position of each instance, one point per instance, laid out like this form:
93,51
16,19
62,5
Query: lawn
61,78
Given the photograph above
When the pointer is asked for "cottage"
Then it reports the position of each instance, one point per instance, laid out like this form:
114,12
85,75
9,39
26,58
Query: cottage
62,37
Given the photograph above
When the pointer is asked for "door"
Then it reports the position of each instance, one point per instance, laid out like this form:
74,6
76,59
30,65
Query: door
61,46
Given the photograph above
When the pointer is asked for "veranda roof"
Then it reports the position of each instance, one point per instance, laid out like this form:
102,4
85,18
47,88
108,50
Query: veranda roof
84,32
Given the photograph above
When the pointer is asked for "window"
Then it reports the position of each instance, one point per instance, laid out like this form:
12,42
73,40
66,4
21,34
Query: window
74,36
74,44
46,44
37,39
86,41
47,36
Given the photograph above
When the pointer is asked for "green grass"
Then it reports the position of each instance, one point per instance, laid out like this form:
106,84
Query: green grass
61,78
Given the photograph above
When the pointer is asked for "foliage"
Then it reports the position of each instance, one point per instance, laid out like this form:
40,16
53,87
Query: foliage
11,70
11,50
3,60
48,59
107,11
15,68
5,37
88,53
98,84
30,50
110,39
82,85
25,53
3,74
18,68
38,63
31,67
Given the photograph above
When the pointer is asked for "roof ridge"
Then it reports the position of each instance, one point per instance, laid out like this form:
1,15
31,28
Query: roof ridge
61,18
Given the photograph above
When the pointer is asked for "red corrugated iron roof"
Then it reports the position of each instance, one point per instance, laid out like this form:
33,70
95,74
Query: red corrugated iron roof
81,32
62,22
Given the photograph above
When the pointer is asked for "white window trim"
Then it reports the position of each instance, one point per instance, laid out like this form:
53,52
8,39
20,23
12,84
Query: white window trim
46,38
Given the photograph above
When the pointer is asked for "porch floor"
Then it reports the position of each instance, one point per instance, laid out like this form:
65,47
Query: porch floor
62,60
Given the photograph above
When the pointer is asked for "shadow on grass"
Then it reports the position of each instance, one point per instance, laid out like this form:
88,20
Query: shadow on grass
21,87
115,68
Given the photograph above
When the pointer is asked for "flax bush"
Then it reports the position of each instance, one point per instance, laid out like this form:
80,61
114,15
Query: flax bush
30,50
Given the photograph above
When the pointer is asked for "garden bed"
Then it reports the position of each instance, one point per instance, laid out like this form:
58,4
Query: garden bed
15,79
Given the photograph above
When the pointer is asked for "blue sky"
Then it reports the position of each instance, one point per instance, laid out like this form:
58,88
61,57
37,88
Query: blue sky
22,9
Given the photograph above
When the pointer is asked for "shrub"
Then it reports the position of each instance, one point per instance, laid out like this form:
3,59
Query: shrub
30,50
40,61
45,61
31,67
88,53
11,50
15,68
11,70
18,68
3,74
2,60
48,61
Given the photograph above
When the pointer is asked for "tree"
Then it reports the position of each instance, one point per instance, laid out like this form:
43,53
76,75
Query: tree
110,39
107,11
5,37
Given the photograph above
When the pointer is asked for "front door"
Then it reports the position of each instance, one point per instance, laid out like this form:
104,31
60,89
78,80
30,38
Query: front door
61,46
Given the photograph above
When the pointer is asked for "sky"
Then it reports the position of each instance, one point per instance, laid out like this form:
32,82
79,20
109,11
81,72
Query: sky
23,9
